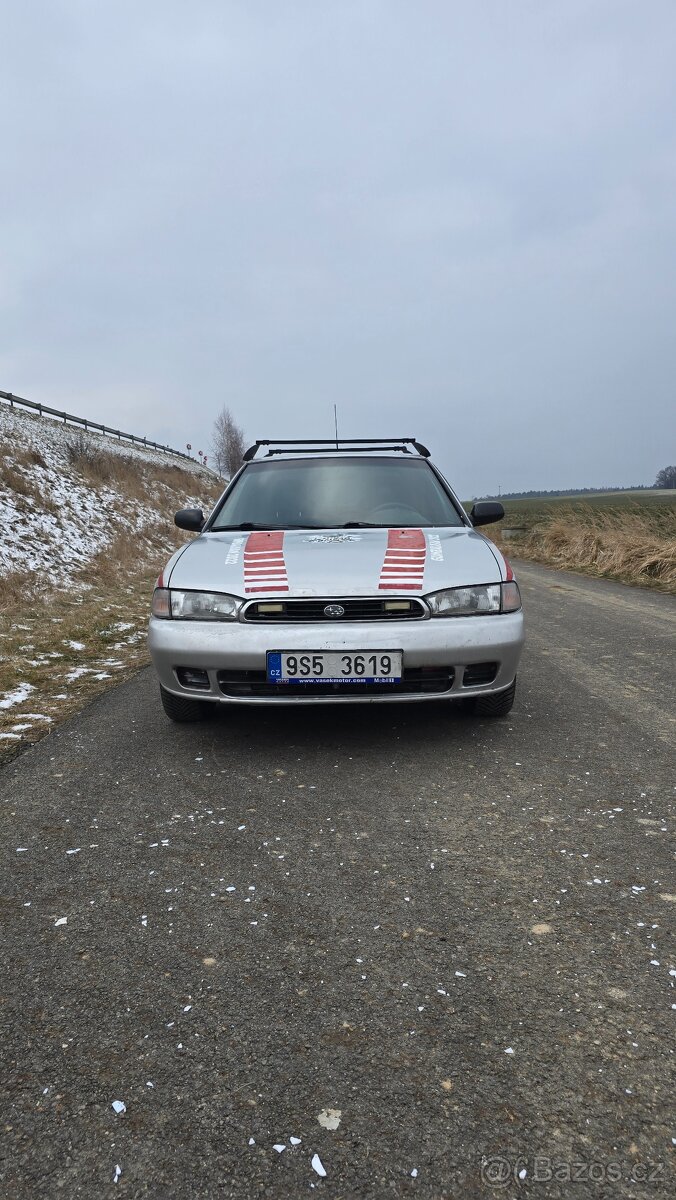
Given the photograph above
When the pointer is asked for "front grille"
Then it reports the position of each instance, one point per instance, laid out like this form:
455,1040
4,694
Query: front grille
366,609
416,681
479,673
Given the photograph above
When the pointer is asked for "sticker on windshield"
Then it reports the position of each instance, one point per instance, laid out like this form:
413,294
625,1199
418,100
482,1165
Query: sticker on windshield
404,564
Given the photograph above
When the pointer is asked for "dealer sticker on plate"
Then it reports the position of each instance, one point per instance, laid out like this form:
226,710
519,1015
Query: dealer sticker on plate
334,666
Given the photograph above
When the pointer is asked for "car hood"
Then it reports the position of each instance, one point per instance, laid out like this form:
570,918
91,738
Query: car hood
336,563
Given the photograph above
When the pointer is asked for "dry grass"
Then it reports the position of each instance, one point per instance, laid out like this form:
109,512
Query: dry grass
16,589
13,480
178,479
100,467
21,456
635,544
82,641
129,554
133,476
69,645
22,488
70,652
29,457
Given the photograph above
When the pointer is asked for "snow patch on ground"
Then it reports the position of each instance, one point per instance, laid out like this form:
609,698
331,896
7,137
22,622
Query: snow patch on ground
20,693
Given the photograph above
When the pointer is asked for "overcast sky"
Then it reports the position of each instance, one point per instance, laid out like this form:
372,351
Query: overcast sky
456,219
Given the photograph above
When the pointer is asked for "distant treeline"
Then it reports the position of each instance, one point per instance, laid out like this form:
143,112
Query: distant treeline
536,494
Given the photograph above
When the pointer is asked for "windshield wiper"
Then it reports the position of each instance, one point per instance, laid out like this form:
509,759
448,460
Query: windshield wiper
253,525
363,525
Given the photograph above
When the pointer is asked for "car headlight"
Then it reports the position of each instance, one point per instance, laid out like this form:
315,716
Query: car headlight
168,603
476,601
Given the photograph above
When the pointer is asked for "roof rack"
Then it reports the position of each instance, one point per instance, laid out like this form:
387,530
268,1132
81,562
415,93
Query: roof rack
333,445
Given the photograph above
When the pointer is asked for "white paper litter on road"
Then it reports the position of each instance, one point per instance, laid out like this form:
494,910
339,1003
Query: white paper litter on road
295,1141
61,921
77,851
317,1166
509,1050
118,1172
279,1147
119,1106
329,1118
252,1141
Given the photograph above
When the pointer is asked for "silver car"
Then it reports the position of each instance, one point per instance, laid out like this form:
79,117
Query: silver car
336,573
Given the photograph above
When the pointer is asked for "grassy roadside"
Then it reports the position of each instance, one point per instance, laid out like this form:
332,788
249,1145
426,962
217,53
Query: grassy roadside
85,532
630,537
59,650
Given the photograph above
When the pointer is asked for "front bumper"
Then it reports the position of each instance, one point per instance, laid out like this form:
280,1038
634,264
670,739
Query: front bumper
452,643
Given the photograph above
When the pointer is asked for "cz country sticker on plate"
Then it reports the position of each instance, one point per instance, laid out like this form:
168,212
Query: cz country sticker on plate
334,666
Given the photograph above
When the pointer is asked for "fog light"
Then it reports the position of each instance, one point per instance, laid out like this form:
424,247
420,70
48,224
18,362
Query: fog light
193,677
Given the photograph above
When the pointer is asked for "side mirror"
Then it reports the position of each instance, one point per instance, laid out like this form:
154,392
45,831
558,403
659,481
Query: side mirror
190,518
486,512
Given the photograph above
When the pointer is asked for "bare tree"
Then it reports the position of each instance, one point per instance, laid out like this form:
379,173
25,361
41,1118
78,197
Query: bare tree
227,443
666,478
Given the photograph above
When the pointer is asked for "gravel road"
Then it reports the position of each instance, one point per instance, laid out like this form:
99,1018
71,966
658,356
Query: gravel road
437,951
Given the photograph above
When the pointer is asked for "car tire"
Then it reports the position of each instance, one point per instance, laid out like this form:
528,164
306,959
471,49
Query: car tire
497,705
183,708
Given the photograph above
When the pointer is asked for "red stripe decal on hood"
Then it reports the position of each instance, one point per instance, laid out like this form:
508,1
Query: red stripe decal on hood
264,566
404,564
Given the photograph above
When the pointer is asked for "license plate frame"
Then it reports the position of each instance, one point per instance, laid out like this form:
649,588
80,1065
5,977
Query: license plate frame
333,665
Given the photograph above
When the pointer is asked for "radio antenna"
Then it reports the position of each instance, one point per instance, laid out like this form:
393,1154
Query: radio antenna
335,421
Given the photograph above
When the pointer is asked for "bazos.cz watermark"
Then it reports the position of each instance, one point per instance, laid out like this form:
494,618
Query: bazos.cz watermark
497,1171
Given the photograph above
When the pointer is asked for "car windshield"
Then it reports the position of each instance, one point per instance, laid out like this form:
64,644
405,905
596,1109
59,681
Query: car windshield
337,492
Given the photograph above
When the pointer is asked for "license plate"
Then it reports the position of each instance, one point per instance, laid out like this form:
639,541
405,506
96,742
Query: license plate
334,666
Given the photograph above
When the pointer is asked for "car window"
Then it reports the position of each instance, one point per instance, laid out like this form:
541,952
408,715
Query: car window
334,492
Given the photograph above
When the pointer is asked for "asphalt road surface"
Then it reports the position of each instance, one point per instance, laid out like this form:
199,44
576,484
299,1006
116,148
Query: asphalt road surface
437,951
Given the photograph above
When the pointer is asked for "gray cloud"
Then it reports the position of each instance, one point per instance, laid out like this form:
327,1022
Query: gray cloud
455,221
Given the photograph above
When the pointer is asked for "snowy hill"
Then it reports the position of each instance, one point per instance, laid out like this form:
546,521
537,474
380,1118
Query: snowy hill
86,524
65,493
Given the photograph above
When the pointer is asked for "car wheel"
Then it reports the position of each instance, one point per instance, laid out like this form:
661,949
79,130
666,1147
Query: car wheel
497,705
182,708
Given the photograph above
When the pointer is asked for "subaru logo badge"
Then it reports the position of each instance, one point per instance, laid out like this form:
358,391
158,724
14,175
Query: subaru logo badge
334,610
